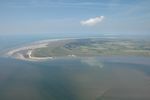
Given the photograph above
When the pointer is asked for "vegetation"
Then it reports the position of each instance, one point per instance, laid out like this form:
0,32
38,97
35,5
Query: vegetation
95,47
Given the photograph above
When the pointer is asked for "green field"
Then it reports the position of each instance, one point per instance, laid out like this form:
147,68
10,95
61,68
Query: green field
94,47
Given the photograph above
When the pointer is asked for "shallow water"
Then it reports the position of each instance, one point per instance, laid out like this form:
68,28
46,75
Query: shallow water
74,79
98,78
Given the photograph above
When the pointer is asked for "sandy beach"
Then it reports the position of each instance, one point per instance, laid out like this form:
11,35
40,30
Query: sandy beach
14,53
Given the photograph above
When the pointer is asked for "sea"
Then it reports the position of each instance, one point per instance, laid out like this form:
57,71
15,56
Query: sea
92,78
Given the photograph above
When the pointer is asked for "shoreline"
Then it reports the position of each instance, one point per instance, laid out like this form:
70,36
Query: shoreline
46,41
30,47
35,45
25,52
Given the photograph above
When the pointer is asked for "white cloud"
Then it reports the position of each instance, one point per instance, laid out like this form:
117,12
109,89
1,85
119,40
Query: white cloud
92,21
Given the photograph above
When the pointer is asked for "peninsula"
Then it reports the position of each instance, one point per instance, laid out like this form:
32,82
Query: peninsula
86,47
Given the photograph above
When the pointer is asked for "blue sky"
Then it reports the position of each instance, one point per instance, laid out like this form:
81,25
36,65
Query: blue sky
65,16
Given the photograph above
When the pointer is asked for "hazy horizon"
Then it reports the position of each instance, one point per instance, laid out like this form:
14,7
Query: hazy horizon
91,49
20,17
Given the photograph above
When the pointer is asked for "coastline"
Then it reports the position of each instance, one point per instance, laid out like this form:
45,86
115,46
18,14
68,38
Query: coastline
26,52
36,45
31,47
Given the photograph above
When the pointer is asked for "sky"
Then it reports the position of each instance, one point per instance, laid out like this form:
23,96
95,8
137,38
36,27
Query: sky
74,16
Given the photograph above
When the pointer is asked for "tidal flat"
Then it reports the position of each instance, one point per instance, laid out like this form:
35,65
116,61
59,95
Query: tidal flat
77,69
75,79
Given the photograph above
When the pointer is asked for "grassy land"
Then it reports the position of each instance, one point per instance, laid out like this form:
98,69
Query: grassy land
94,47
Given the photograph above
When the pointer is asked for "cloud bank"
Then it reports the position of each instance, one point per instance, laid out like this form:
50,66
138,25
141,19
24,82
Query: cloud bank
92,21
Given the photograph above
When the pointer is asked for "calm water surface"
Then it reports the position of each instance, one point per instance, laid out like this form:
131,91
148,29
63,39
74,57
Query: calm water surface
74,79
99,78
